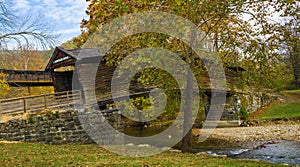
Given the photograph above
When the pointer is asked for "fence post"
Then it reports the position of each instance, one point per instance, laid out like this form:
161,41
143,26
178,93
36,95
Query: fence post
24,102
68,98
45,101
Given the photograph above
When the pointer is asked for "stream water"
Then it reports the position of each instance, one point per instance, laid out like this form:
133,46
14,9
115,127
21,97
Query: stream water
280,152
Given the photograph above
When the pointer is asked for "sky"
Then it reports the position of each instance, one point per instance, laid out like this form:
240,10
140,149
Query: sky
63,16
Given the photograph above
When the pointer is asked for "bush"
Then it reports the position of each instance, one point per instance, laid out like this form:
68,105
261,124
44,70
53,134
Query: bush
52,115
30,119
244,114
4,87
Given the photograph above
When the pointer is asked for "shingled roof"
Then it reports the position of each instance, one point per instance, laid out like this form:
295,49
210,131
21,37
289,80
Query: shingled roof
62,57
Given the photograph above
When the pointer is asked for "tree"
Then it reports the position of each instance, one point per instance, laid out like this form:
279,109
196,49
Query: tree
26,29
277,38
237,41
294,53
292,46
70,44
15,30
25,58
3,86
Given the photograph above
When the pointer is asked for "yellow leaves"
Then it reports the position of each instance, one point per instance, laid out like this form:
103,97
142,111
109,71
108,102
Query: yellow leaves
220,20
4,87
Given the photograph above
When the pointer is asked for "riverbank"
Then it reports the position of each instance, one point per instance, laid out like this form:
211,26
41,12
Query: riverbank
32,154
290,132
276,143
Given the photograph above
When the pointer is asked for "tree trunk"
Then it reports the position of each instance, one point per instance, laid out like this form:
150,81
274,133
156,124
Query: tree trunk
296,77
295,59
188,121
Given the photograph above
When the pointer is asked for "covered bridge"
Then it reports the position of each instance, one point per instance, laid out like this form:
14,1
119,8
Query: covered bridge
66,71
62,66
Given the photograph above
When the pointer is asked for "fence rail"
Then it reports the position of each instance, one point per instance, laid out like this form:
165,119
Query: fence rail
32,104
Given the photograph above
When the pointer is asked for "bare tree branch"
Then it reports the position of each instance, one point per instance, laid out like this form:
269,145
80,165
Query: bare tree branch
24,30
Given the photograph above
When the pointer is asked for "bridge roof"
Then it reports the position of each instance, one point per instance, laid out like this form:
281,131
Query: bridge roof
63,58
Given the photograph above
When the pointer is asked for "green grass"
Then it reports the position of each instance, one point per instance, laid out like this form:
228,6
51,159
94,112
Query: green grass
292,91
29,154
288,110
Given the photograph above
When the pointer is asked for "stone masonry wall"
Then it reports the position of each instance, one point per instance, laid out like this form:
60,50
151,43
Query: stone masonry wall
251,102
51,128
66,127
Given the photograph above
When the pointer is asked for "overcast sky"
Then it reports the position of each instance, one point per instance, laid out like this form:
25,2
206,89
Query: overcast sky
64,16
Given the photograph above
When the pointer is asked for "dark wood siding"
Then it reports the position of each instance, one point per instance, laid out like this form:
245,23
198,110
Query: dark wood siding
62,81
102,81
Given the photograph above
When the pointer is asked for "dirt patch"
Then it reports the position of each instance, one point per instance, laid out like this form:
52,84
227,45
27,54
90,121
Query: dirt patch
290,96
15,117
9,142
260,112
25,116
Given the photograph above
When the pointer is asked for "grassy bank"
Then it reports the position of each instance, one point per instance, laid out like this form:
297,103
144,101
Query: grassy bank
289,109
29,154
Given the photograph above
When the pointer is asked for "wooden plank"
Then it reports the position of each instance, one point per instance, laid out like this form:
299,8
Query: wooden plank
33,103
58,106
14,114
12,108
45,101
20,109
1,111
11,104
26,97
7,106
16,106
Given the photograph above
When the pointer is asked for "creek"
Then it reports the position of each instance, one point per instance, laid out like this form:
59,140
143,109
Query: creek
279,152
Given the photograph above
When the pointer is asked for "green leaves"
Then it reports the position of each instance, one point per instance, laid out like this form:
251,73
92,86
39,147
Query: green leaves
251,42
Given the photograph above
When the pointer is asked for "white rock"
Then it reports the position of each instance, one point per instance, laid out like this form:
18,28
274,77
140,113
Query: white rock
202,153
143,145
130,144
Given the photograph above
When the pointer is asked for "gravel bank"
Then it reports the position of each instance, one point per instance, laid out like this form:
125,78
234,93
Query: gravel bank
257,133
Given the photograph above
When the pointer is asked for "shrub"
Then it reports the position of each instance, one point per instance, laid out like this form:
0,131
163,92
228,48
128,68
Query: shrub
30,119
244,114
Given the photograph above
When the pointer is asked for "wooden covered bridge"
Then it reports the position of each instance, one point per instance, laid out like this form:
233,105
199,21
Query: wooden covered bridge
61,68
58,73
62,73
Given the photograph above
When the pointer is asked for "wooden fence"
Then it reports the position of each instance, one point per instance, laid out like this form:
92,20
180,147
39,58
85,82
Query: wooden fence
32,104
